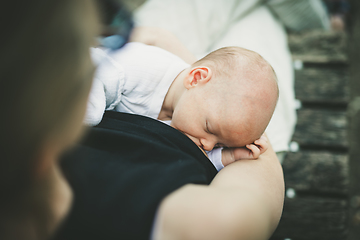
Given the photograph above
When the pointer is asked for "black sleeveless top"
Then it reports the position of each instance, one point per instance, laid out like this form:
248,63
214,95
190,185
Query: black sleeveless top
120,173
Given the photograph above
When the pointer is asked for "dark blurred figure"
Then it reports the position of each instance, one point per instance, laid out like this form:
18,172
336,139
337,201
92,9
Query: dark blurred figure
45,77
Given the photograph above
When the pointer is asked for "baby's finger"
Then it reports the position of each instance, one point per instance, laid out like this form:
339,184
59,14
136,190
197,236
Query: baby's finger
262,144
254,149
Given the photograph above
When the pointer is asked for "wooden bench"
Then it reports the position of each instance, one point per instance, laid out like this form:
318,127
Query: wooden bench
316,174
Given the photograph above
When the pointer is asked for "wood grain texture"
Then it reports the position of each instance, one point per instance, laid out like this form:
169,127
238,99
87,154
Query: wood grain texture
319,46
322,85
321,128
311,218
320,172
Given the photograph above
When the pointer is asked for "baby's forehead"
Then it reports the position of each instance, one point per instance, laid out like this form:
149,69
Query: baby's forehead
236,140
237,132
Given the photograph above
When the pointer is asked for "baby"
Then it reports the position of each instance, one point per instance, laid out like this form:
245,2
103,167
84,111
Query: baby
225,99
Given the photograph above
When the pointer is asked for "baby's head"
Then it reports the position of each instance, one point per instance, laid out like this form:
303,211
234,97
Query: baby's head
229,99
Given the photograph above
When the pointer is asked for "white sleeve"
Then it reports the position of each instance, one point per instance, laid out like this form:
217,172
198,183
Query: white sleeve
107,86
96,104
215,158
110,74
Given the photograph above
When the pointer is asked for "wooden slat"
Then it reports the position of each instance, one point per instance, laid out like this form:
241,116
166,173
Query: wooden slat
354,120
314,58
319,46
310,218
322,84
317,172
321,128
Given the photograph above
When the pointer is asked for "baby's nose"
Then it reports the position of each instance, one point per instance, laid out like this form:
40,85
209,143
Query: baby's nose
207,144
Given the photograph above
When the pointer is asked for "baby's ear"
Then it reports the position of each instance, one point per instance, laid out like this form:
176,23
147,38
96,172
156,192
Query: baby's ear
197,76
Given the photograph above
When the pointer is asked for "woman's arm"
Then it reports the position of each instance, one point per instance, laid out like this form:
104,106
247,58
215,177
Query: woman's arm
164,39
244,201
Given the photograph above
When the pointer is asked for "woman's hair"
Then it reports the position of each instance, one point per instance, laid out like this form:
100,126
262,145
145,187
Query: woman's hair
44,73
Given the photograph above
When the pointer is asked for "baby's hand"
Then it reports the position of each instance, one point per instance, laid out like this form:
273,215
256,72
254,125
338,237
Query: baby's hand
249,152
258,147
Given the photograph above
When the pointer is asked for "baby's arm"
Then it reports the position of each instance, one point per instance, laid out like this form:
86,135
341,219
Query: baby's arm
250,151
221,157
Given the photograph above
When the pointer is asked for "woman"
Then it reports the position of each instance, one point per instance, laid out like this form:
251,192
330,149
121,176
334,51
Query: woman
49,41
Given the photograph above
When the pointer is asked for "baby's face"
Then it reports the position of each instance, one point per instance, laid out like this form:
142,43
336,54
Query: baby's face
208,126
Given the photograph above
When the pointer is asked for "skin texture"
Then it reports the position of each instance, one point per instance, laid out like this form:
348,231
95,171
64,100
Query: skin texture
244,201
213,112
250,152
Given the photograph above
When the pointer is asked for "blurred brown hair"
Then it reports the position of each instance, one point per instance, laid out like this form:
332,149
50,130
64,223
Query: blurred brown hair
44,72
